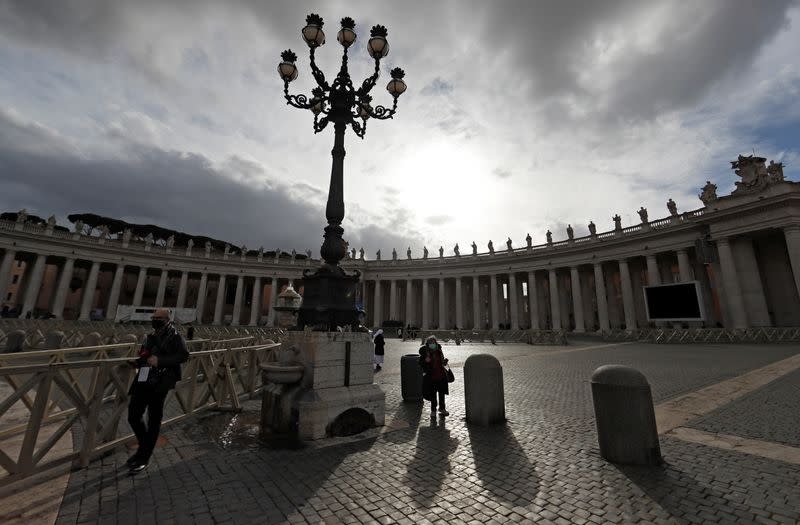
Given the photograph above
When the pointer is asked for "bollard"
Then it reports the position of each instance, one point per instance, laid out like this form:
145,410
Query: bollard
483,390
626,421
410,378
53,340
15,341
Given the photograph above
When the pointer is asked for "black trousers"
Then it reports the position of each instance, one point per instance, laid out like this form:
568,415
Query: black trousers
146,398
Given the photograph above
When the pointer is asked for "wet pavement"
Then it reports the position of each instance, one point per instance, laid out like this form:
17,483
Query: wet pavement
543,466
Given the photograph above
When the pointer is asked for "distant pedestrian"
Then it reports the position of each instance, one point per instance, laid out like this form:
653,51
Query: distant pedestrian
377,340
190,332
159,368
434,378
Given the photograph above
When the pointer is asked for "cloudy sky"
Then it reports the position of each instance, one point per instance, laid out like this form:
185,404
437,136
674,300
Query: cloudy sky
520,116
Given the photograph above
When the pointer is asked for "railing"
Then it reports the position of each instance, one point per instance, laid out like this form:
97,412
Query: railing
68,413
531,337
706,335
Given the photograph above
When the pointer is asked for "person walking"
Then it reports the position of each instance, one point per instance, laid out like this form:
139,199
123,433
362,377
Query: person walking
434,375
159,368
377,340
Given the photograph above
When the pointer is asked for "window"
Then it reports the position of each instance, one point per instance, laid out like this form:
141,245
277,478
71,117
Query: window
15,279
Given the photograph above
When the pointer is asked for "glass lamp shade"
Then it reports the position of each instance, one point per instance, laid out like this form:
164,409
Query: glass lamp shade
317,107
287,71
396,87
378,47
313,35
346,37
363,111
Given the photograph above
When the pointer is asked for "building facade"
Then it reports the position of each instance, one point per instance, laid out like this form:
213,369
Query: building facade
742,248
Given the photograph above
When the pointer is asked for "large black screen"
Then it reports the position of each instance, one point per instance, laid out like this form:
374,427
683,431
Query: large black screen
674,302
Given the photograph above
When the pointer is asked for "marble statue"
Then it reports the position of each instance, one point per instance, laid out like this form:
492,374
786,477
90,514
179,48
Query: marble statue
353,253
104,231
149,239
294,254
491,248
361,253
456,250
617,222
170,241
508,245
79,226
190,244
22,215
672,207
394,254
474,248
643,214
378,255
592,228
227,251
424,252
752,170
126,235
709,193
51,222
308,254
277,253
441,252
549,236
243,249
570,232
208,248
528,240
408,253
775,171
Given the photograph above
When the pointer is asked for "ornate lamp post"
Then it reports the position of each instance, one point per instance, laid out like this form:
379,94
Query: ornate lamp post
329,298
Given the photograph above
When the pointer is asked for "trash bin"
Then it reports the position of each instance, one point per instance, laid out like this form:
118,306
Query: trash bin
410,378
626,421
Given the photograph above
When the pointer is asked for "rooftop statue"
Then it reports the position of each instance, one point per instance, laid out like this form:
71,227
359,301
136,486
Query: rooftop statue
22,215
149,239
394,254
104,231
474,248
378,255
308,254
491,248
190,243
775,171
709,193
78,226
361,253
408,253
208,247
456,250
424,252
570,232
755,174
549,236
508,245
353,253
170,241
592,228
127,234
672,207
227,250
617,222
643,214
294,254
528,240
51,221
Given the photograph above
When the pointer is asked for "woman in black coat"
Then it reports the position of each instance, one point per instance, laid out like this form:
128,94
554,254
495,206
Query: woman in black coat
434,378
377,339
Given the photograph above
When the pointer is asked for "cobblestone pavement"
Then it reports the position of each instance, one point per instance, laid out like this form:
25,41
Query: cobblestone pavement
543,466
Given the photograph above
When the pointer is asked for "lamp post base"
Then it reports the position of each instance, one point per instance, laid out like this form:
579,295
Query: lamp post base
329,299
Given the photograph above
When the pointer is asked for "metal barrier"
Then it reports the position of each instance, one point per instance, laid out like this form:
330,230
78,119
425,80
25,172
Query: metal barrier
82,402
531,337
706,335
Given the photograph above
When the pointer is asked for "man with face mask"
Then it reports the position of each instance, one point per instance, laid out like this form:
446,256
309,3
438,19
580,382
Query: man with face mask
159,368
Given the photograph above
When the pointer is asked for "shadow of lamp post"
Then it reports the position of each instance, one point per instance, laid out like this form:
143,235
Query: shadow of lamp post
329,292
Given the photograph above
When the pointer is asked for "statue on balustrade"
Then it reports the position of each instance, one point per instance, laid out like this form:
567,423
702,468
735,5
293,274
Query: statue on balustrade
361,253
105,231
570,232
549,236
243,251
170,241
709,193
378,255
617,222
456,250
424,252
592,229
79,226
51,222
127,233
643,214
441,252
277,253
308,254
408,253
353,253
22,215
491,248
190,244
508,245
775,171
394,254
672,207
227,251
294,254
149,239
529,240
208,248
474,248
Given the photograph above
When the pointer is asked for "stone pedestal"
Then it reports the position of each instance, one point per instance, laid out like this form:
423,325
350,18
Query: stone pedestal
337,377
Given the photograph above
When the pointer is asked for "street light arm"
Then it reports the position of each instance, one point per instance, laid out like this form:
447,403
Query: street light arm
381,112
317,73
369,82
320,124
359,129
299,101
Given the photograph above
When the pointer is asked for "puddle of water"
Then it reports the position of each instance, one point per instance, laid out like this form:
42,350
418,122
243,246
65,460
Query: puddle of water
243,432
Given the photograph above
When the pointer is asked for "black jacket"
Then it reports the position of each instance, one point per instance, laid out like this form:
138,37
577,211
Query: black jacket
170,349
379,344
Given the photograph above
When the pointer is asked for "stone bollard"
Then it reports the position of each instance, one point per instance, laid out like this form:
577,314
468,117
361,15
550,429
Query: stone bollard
626,421
15,341
483,390
53,340
410,378
92,339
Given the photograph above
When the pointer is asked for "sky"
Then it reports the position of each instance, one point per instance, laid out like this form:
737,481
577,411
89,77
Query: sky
520,116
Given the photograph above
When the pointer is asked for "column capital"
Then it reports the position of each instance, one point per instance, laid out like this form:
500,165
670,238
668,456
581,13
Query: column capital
723,241
792,228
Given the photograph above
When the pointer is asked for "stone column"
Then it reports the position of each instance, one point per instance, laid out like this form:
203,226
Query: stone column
426,305
255,302
533,302
442,306
237,301
792,235
513,301
577,300
555,306
493,302
273,298
5,271
162,288
220,302
182,290
138,293
377,313
627,295
34,286
88,292
113,296
201,297
602,302
476,303
63,288
459,305
409,302
393,300
653,276
684,268
730,279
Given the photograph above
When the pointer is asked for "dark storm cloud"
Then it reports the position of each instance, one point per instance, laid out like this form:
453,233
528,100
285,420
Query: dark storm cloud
177,190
